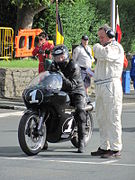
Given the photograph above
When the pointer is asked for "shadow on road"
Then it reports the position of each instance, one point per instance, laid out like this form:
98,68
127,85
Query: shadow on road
56,152
12,151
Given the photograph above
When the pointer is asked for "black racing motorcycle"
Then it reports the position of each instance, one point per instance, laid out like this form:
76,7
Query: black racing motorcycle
49,115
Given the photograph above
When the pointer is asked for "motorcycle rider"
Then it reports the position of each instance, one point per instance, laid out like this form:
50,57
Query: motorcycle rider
74,86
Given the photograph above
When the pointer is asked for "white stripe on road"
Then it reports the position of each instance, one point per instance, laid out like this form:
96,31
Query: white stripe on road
17,113
129,104
110,162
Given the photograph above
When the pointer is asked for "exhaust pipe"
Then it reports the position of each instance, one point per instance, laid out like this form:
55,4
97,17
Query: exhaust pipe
90,107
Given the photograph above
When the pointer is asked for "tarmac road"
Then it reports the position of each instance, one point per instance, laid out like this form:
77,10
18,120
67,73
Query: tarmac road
61,161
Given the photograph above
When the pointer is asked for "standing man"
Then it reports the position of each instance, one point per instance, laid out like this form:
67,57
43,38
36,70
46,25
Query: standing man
110,57
43,51
82,55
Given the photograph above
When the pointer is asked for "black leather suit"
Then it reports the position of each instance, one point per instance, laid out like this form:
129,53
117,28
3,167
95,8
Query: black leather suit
74,86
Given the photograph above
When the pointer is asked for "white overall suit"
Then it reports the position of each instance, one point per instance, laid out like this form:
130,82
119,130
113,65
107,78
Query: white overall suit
109,94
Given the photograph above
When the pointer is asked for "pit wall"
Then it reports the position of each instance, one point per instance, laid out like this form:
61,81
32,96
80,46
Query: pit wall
13,81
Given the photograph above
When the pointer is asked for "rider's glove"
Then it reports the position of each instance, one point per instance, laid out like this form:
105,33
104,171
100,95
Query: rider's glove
53,67
67,84
47,51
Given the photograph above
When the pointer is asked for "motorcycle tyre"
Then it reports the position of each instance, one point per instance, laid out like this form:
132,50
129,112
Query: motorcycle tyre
45,147
21,135
74,139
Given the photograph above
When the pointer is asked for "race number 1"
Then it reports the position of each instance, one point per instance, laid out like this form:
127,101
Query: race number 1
33,97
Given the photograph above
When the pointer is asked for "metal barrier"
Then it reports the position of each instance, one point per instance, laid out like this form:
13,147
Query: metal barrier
6,42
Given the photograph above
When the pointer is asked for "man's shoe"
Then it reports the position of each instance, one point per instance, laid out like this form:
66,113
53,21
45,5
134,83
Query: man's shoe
99,152
111,154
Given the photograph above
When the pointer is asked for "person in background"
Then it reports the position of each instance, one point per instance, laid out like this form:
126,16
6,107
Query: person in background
110,58
74,86
82,55
125,62
43,50
125,65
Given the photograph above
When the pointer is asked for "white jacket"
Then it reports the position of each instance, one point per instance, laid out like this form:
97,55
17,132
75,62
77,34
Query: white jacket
110,61
82,58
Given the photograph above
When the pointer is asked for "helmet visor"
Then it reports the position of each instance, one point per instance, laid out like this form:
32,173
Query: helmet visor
59,58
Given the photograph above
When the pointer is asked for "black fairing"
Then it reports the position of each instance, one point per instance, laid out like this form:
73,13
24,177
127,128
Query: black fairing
45,90
43,98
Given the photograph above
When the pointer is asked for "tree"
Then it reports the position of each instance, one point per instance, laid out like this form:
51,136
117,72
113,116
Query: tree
79,18
26,10
7,14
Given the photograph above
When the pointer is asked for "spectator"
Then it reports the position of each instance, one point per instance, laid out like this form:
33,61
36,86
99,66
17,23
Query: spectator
108,71
125,62
43,51
82,54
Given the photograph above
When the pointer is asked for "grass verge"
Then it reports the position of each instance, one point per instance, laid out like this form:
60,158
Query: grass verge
20,63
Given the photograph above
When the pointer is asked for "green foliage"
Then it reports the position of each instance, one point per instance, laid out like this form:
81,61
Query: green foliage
77,21
77,18
103,8
127,24
32,3
127,19
46,20
133,46
7,14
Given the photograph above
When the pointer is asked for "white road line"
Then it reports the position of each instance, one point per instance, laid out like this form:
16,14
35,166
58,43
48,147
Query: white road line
110,162
129,104
83,162
17,113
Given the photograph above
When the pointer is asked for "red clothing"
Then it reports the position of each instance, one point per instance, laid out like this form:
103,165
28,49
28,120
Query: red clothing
40,52
125,61
125,65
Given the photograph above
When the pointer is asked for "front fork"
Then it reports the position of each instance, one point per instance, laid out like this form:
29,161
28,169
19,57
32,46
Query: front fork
42,119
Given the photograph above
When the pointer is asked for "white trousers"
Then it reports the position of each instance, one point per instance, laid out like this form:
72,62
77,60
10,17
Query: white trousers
108,114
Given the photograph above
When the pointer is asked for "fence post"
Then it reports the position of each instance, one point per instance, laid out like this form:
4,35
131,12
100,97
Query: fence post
6,42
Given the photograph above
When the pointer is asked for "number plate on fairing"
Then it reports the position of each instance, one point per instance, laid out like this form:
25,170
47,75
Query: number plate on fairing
67,127
34,96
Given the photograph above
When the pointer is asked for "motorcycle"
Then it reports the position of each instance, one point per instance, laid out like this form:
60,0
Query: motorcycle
49,115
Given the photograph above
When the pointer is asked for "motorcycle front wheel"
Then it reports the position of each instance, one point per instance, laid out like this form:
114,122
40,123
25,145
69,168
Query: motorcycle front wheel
31,142
88,131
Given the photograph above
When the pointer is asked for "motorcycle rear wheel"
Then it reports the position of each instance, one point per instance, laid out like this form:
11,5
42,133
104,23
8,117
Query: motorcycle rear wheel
88,132
30,141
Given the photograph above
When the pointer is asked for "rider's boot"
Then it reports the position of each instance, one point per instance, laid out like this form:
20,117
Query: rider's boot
81,137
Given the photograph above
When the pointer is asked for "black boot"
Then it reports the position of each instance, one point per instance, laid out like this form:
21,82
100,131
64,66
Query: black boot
81,137
81,148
